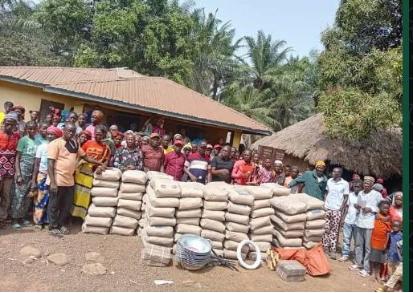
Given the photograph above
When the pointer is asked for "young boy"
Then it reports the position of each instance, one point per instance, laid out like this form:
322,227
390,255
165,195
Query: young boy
397,275
349,217
395,236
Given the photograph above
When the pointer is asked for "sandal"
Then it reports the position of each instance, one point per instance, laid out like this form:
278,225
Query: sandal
363,274
16,227
27,223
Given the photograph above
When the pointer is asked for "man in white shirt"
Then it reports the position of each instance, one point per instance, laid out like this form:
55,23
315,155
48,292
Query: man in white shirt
367,206
349,216
335,201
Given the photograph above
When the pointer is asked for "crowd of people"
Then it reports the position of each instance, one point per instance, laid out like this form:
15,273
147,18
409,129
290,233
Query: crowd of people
47,169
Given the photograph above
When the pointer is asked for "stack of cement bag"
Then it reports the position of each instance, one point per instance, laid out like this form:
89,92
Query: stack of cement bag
162,198
130,203
289,221
315,219
189,211
237,220
104,201
213,216
261,229
277,189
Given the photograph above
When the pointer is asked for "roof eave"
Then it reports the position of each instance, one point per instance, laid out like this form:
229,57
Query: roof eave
22,81
87,97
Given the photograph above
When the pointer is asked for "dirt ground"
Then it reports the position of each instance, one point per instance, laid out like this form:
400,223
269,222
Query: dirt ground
125,271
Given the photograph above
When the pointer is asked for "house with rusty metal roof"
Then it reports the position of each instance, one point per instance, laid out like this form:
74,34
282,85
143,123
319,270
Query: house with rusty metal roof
127,99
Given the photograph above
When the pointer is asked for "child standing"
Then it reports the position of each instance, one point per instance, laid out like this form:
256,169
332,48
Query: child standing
380,238
395,236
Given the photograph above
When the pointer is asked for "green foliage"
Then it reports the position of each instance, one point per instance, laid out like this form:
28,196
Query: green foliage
361,68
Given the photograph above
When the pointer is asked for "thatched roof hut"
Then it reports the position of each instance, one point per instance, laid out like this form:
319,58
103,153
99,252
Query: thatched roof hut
380,155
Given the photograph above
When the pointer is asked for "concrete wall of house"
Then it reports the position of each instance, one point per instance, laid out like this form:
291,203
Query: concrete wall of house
30,98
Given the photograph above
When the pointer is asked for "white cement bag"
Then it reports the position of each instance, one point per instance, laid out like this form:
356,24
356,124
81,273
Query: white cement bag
188,229
289,242
262,203
235,236
276,243
312,203
105,201
240,209
292,233
231,254
235,227
188,221
309,244
122,231
264,212
94,230
153,174
195,213
151,211
161,241
217,245
125,222
263,230
129,213
241,196
259,222
143,222
240,219
166,188
132,188
288,206
215,194
212,235
262,238
131,196
233,245
161,202
159,231
130,204
176,238
213,225
315,224
316,239
263,246
98,221
281,225
105,212
134,176
315,214
191,189
314,232
158,221
107,184
277,189
214,215
215,205
259,192
219,185
110,174
291,218
190,203
104,192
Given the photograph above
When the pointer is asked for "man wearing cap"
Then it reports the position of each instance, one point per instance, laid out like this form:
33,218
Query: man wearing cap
198,165
217,150
174,161
209,151
153,154
7,109
8,146
367,207
314,182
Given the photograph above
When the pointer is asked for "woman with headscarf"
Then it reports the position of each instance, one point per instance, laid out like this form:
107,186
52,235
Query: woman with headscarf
25,157
98,151
41,197
84,136
396,209
97,118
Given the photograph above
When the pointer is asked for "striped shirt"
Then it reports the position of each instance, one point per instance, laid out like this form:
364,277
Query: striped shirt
199,166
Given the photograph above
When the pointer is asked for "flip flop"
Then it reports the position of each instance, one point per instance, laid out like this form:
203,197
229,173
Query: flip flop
27,223
16,227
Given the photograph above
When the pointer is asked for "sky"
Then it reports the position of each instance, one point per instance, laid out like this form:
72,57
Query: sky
298,22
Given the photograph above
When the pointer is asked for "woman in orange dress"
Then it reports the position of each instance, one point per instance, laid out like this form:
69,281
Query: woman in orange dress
99,151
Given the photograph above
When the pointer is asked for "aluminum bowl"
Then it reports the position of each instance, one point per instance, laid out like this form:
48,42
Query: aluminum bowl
195,244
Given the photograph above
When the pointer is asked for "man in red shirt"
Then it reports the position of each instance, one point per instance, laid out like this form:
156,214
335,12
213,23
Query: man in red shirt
243,169
153,156
8,145
174,161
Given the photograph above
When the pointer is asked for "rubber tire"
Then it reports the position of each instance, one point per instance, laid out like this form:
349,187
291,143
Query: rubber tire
257,262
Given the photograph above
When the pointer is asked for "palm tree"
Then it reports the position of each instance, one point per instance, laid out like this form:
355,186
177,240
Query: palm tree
265,55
